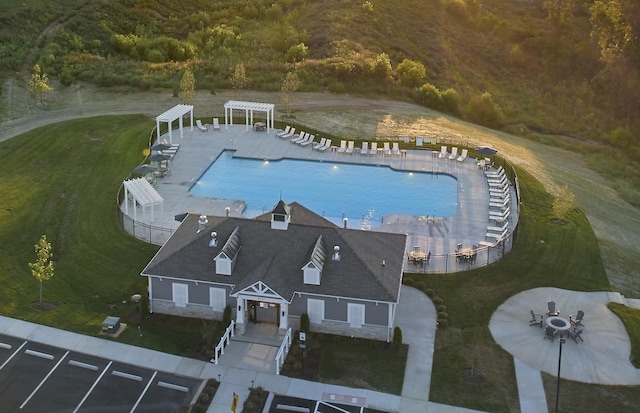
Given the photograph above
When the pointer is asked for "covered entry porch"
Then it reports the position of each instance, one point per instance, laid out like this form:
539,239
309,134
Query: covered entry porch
259,304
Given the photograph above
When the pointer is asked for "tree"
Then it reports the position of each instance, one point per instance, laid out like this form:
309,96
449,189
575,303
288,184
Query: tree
290,84
187,86
239,79
410,73
42,268
39,83
381,66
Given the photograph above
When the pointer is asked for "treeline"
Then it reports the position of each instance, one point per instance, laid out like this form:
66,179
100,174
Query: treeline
571,66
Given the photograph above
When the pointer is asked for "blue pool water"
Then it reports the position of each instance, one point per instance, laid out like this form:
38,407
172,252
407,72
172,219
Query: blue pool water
333,190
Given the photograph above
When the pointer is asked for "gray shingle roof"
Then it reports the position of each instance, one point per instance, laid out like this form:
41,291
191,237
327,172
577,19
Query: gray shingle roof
277,256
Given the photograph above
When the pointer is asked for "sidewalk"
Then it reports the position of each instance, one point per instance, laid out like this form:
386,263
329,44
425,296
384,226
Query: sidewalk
251,364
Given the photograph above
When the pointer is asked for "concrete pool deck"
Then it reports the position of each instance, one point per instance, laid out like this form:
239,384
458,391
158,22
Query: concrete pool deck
439,235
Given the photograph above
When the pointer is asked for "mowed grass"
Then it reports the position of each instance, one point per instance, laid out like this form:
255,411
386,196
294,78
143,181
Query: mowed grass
545,254
62,181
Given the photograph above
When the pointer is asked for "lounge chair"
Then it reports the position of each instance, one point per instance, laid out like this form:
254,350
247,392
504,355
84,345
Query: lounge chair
326,146
386,149
301,137
463,155
550,333
498,172
536,319
216,124
319,145
374,148
343,147
308,141
497,229
500,204
200,126
443,152
575,334
502,213
289,134
283,132
576,319
396,149
350,146
365,148
497,235
419,141
552,310
454,153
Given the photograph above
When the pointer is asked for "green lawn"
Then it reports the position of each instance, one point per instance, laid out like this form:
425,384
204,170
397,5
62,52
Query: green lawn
62,181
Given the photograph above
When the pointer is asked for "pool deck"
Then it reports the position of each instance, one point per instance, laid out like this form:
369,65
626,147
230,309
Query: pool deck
439,235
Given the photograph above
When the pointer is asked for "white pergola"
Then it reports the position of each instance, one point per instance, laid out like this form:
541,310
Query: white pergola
141,193
176,112
249,108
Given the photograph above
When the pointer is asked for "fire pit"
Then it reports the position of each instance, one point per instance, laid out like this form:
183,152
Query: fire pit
558,323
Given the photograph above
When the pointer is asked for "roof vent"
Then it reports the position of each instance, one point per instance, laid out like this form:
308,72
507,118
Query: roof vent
202,223
336,253
214,239
345,222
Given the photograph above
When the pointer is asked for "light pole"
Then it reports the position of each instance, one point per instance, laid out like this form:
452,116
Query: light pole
559,364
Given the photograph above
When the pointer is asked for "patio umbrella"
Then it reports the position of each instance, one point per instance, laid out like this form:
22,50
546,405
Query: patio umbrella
143,169
160,147
486,150
159,158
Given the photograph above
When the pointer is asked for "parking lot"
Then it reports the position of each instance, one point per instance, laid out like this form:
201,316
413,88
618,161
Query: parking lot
281,404
40,378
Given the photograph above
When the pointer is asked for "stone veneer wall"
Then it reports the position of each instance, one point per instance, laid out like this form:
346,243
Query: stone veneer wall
191,310
343,329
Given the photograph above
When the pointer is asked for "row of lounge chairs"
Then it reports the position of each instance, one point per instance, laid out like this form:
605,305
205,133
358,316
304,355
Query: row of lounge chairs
386,150
205,127
499,204
443,154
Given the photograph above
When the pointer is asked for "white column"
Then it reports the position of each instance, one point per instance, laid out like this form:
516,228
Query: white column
284,315
241,309
246,117
169,123
158,129
191,118
180,125
226,122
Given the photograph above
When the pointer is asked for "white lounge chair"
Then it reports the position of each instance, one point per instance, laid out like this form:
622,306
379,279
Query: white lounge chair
501,204
454,153
326,146
349,150
374,148
216,124
502,213
496,173
301,137
307,141
343,147
319,145
288,135
365,148
386,149
463,155
443,152
396,149
201,126
283,132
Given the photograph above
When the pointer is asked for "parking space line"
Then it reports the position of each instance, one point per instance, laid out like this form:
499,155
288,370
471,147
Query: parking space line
46,377
173,386
39,354
83,365
126,375
11,356
135,406
95,383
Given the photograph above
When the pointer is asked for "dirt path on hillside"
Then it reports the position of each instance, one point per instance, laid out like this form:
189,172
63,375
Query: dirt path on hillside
616,224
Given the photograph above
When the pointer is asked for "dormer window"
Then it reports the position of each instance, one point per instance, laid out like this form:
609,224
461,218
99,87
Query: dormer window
312,270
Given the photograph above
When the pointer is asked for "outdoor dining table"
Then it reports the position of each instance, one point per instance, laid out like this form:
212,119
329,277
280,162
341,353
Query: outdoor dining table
417,256
260,126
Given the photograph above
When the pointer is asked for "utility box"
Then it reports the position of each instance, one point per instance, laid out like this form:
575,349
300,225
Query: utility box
111,325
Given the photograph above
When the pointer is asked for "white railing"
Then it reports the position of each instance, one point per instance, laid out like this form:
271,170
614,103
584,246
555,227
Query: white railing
224,340
283,350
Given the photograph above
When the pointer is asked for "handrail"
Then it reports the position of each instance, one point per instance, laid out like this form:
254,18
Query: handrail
283,350
228,333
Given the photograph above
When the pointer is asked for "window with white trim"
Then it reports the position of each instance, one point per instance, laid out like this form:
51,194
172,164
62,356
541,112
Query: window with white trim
217,298
355,315
315,310
180,294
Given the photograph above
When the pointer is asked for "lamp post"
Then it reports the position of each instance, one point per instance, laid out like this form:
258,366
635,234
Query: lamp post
559,364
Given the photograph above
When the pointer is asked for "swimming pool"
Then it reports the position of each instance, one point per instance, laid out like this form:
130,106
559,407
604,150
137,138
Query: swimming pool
333,190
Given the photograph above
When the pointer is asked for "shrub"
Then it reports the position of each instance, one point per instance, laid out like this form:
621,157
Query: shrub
430,292
396,342
483,110
296,53
431,97
438,300
410,73
442,308
204,398
381,67
305,323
